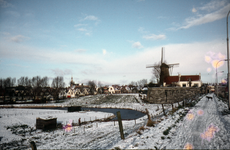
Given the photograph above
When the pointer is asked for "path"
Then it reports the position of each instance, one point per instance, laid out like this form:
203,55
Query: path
203,128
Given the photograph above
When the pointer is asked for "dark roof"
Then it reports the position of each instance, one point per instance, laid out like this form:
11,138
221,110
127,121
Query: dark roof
171,79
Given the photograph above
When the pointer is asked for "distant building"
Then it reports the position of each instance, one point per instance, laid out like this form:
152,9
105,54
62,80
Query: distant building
183,81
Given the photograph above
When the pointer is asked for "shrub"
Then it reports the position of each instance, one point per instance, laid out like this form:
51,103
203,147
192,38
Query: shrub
142,128
166,132
139,132
180,106
151,123
162,137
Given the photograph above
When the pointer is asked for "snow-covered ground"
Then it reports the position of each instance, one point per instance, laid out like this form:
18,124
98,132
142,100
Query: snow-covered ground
202,126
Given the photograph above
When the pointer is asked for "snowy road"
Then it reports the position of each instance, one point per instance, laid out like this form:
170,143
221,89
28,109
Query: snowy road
203,128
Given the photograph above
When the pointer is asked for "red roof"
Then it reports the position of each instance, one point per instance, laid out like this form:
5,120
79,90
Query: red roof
171,79
192,77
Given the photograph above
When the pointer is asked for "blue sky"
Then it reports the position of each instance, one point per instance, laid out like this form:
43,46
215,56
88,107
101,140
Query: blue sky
111,41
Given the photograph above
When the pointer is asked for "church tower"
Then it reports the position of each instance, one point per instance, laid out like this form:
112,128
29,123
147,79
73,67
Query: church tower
71,82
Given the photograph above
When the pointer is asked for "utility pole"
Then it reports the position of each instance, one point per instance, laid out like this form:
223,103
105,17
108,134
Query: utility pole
228,64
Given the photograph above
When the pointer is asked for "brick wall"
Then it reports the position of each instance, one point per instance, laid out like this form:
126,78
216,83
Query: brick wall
168,95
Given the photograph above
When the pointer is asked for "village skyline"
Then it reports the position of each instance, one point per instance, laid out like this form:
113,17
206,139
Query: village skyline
112,41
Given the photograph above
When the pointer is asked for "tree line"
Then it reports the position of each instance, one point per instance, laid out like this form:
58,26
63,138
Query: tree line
35,84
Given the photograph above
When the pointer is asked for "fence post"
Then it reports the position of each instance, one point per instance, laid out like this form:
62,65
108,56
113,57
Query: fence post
120,125
33,145
163,109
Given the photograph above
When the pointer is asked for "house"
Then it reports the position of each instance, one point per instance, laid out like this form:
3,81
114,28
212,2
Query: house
111,90
86,90
62,94
183,81
70,93
125,89
105,90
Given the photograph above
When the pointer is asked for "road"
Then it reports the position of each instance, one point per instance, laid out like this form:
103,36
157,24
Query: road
203,128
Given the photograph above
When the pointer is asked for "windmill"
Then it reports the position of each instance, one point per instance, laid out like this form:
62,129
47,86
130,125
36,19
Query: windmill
163,68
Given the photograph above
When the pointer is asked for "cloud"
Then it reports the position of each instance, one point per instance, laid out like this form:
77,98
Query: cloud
82,29
59,72
91,17
209,17
112,68
194,10
154,37
213,5
104,51
79,25
142,30
5,4
18,38
88,34
137,45
80,50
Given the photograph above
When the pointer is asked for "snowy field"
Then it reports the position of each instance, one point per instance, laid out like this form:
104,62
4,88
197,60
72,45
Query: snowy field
202,126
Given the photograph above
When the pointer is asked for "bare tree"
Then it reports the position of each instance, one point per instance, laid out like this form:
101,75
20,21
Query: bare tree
57,84
45,82
92,86
28,82
132,83
156,71
13,82
1,82
99,84
36,82
9,82
142,83
21,81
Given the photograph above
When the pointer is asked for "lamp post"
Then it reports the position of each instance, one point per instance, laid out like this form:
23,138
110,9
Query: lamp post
217,76
228,64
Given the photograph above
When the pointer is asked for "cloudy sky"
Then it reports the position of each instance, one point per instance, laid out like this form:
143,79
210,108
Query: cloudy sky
111,41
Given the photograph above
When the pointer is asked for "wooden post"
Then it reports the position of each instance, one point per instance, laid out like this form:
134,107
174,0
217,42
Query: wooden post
172,106
163,109
120,125
33,145
135,121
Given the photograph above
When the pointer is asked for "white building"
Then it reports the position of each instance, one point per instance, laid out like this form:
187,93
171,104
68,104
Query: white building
183,81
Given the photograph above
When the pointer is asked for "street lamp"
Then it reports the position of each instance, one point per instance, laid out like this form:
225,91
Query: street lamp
228,64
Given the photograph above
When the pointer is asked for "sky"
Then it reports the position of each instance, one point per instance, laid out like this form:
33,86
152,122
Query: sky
112,41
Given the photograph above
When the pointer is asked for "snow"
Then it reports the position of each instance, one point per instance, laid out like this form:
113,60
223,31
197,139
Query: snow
199,127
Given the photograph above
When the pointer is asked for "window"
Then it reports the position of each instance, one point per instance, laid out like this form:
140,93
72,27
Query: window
195,85
183,85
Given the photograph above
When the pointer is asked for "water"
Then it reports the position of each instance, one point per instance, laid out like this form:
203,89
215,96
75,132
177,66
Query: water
126,114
